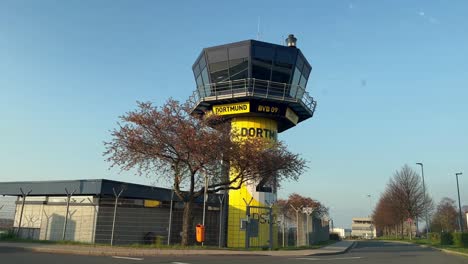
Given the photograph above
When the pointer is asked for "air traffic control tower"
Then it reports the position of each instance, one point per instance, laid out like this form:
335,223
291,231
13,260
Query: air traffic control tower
261,88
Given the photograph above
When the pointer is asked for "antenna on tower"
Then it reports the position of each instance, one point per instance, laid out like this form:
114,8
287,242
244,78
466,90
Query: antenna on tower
258,28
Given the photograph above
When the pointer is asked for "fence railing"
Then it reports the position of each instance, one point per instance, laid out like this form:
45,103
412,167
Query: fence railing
255,88
120,221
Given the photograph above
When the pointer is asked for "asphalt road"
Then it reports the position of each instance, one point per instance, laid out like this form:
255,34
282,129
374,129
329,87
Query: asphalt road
364,252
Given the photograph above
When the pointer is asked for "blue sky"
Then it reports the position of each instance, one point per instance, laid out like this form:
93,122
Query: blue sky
390,78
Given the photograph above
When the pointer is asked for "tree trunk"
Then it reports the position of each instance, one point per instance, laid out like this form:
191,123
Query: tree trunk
187,222
402,231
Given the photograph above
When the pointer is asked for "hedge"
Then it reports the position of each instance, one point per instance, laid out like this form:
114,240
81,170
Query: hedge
446,238
460,239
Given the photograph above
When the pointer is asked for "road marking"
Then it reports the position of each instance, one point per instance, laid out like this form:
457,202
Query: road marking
313,259
117,257
180,263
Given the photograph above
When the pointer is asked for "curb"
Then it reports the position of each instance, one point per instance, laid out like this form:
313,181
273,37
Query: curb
93,251
134,253
453,252
337,252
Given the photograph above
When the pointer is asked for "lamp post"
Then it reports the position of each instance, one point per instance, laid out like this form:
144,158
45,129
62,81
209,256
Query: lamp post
205,197
370,204
424,193
460,221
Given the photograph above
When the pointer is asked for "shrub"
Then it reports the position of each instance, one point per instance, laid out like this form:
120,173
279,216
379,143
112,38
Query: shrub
10,234
335,237
446,238
434,238
460,239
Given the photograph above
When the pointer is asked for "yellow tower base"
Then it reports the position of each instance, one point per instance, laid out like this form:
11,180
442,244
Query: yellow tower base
251,127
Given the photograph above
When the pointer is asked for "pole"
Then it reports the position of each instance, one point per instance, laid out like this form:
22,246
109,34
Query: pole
204,202
283,225
425,205
297,223
307,211
460,220
297,229
307,229
170,219
69,195
271,227
115,212
247,224
23,195
370,205
221,199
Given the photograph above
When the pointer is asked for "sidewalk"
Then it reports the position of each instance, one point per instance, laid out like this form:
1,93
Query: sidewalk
337,248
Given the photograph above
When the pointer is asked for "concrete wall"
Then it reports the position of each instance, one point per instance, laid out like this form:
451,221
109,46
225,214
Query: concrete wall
46,221
317,228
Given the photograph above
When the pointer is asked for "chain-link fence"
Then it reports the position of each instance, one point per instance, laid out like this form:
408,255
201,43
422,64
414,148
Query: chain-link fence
122,221
7,213
108,220
301,230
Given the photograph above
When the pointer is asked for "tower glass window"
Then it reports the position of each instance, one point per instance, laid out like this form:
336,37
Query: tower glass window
277,70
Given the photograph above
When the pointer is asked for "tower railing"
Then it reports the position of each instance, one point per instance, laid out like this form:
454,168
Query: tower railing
253,88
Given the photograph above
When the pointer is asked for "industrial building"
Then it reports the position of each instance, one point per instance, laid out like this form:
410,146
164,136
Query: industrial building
104,211
363,227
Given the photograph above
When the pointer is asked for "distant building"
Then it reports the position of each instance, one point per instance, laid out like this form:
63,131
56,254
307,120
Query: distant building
363,227
342,232
466,217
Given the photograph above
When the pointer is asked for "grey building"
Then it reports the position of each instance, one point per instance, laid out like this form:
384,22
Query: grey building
141,212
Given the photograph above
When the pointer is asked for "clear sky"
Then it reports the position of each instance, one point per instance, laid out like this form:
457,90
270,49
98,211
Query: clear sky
390,78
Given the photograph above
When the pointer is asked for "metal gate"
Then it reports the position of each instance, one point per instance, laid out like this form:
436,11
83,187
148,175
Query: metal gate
259,227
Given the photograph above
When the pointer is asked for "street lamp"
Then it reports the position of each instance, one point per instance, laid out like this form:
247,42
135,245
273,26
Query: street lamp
370,204
460,221
424,193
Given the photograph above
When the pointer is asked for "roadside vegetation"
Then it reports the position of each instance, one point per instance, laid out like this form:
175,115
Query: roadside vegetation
435,241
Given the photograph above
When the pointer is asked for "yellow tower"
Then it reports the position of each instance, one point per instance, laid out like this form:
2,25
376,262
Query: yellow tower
260,88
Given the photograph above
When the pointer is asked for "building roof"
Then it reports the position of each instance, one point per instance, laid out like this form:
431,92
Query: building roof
93,187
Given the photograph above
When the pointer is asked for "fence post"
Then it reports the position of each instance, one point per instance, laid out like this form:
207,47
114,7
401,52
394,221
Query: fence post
93,234
170,219
69,195
297,223
115,212
271,227
205,197
283,222
221,199
307,211
24,195
247,227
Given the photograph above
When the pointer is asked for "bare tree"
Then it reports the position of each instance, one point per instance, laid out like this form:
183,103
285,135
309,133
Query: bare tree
168,143
406,189
403,198
445,217
387,215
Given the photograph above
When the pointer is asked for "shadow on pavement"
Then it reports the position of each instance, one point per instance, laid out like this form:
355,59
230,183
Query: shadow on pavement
6,250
